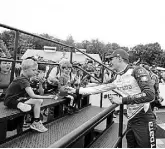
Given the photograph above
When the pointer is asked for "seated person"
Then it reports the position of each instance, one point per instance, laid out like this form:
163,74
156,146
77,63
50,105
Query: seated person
76,76
65,81
86,78
17,69
107,75
38,81
97,74
5,73
19,94
39,86
52,81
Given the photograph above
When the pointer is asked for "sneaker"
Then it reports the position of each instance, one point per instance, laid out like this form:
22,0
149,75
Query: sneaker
38,126
24,107
75,109
69,110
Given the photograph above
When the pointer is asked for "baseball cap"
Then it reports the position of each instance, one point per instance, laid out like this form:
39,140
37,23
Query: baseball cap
119,52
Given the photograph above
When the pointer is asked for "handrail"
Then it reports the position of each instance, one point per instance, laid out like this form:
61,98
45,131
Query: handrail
72,47
80,131
89,74
19,61
15,29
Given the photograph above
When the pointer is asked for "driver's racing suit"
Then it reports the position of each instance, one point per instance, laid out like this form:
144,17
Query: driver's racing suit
138,88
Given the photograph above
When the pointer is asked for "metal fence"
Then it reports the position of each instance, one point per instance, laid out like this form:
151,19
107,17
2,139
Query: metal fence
14,61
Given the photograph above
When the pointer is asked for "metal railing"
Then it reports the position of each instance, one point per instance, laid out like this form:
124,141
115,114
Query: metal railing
80,131
18,31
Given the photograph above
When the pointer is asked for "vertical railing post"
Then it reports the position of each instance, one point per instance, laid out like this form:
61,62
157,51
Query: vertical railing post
120,125
71,59
71,55
15,55
102,80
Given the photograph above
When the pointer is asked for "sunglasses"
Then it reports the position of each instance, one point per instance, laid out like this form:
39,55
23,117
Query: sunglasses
110,59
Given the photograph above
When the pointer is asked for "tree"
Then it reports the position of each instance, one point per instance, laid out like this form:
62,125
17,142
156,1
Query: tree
149,53
4,51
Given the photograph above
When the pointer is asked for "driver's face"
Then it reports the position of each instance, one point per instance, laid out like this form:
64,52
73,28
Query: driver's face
113,63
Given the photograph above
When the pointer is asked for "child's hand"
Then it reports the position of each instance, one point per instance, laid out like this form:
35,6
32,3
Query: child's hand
41,77
53,81
52,97
70,90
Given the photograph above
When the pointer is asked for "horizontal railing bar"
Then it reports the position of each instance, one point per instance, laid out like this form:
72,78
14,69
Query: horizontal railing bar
80,131
72,47
20,61
15,29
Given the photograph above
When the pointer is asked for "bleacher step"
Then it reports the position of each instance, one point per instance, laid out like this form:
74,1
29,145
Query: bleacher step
56,130
108,138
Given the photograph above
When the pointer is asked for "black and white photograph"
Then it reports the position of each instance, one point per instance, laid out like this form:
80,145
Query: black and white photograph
82,74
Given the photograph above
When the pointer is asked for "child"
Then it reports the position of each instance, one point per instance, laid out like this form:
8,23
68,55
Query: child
20,95
65,81
38,81
51,84
5,73
97,74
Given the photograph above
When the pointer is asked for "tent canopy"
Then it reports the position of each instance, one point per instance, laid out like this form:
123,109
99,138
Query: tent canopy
57,55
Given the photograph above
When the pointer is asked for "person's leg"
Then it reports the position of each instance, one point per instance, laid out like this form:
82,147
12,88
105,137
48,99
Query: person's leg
19,104
145,134
131,141
37,124
37,106
76,100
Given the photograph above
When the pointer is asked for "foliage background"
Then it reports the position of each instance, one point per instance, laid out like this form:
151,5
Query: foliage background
151,53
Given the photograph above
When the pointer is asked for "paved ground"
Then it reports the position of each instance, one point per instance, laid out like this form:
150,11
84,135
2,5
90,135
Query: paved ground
161,123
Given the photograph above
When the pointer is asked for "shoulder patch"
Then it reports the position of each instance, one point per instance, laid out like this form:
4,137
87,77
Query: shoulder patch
144,78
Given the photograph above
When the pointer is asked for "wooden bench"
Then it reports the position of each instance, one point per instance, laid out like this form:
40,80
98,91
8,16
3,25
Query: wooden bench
9,116
56,130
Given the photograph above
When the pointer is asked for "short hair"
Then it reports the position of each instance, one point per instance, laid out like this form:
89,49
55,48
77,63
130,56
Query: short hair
65,63
27,63
90,61
42,67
